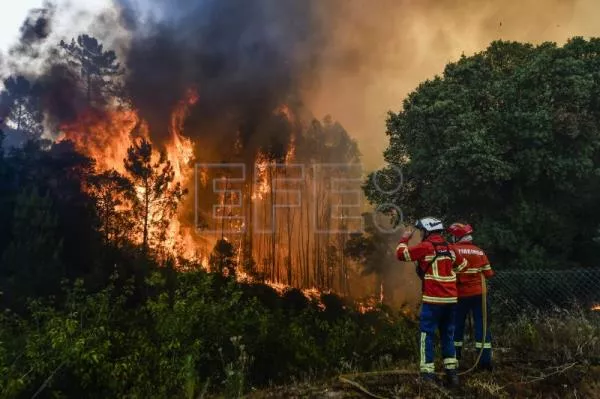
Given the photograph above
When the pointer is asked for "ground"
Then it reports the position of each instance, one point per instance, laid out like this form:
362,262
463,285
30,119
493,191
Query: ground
509,380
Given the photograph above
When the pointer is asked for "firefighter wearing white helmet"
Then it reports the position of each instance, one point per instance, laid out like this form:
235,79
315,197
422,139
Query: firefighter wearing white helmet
436,262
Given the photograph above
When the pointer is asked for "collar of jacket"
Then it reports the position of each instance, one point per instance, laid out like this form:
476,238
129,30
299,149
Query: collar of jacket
435,238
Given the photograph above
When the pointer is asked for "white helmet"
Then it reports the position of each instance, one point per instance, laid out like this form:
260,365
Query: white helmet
429,224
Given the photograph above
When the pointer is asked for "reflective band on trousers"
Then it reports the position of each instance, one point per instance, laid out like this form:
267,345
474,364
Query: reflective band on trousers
487,345
428,368
425,367
450,363
423,338
458,343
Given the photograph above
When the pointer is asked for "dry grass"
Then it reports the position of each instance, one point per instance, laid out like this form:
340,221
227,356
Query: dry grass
551,355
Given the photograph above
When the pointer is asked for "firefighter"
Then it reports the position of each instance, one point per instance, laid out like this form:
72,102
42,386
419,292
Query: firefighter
436,261
470,290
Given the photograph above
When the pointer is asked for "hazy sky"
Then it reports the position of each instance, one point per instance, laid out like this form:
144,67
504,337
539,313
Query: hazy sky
13,14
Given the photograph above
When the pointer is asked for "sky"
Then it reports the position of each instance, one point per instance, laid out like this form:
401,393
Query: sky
12,15
14,12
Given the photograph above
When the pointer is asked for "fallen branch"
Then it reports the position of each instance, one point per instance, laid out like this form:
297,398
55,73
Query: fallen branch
47,381
560,370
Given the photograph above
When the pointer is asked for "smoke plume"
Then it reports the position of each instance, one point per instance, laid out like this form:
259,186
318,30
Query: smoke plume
353,59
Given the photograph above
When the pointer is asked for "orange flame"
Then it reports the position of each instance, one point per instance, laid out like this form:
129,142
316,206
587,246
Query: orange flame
106,137
596,307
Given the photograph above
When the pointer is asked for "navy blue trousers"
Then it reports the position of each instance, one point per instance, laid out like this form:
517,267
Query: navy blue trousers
473,305
437,317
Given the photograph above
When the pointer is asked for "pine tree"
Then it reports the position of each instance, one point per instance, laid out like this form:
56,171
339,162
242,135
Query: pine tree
24,101
113,193
98,67
156,195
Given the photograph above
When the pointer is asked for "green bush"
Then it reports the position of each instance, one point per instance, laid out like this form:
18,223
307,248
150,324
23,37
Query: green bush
199,332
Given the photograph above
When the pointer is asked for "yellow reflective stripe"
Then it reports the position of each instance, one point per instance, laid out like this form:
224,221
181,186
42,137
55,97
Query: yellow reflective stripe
446,279
458,343
486,267
471,271
423,360
436,299
487,345
430,257
405,252
428,368
450,363
463,265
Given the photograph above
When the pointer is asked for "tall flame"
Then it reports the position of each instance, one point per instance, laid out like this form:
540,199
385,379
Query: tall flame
106,136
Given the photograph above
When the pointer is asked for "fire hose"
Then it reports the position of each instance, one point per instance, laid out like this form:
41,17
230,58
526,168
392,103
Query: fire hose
349,378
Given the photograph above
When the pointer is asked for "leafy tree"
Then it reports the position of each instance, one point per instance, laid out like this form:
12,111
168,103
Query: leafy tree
24,101
98,67
156,195
508,140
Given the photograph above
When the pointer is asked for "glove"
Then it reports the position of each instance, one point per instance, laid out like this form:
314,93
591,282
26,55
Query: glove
406,236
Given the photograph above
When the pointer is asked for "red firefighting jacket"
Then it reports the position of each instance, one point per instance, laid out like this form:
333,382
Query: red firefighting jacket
436,260
469,278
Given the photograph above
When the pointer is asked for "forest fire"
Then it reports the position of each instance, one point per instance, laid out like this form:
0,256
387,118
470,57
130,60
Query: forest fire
107,136
596,307
280,231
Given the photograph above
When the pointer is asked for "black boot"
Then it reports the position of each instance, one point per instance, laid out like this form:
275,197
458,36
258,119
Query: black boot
452,378
484,367
429,377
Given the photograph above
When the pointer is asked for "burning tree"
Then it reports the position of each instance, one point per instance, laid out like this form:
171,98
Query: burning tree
157,195
223,258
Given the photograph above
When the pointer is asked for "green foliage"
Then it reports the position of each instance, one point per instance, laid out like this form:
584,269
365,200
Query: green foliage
206,332
508,140
33,255
555,337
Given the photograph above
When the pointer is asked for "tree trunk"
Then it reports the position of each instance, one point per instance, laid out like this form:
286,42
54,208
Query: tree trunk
146,215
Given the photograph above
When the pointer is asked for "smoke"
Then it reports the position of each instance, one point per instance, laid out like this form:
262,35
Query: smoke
377,52
353,59
244,58
35,29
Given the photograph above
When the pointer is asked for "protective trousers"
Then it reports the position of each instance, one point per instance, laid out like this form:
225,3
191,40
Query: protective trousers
467,305
434,317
